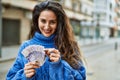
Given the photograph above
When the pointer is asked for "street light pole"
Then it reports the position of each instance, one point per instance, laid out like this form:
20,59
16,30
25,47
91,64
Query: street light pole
0,29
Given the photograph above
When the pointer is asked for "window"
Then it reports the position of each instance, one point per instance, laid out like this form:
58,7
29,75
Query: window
11,32
80,6
74,6
110,18
110,6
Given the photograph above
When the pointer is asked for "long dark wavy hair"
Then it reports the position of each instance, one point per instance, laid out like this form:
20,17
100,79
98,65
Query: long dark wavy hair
64,39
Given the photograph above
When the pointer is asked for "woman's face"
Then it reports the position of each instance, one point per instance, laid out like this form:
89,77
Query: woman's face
47,22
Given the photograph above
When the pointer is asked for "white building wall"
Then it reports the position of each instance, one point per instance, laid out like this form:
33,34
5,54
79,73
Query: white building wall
13,13
68,4
105,10
87,9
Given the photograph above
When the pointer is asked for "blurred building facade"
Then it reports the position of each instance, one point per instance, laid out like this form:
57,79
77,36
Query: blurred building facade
16,21
17,15
87,30
79,11
91,19
104,14
117,18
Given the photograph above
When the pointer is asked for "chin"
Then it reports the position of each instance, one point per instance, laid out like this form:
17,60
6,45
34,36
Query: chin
47,35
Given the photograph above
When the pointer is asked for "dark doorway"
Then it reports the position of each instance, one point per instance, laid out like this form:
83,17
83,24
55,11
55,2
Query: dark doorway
112,32
10,32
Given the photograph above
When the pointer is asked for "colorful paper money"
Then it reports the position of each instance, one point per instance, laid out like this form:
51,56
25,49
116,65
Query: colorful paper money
35,53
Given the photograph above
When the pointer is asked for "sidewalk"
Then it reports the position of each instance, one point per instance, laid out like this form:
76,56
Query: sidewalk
92,46
104,66
10,52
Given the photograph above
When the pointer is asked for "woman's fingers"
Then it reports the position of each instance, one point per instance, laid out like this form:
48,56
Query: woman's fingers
54,54
29,69
30,74
31,65
54,59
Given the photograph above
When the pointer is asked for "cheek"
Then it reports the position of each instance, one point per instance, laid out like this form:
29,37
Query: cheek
40,25
40,28
55,27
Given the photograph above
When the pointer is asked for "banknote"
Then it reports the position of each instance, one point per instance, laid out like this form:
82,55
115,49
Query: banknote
35,53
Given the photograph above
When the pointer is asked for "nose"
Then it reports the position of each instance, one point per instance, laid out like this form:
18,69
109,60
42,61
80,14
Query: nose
47,25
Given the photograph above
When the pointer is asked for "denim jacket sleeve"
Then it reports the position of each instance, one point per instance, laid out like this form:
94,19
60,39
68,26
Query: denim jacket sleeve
16,72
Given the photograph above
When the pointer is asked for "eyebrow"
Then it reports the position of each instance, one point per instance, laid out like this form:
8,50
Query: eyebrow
51,19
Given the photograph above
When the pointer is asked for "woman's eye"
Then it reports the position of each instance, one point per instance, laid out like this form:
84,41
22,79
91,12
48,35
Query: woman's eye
43,21
53,22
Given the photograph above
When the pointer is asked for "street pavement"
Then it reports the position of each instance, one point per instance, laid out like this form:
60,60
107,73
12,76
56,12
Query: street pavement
4,67
102,60
104,66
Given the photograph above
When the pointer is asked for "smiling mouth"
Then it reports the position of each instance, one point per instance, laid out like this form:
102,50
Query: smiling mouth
47,32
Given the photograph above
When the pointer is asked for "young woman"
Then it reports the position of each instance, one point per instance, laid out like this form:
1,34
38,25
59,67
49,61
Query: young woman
51,29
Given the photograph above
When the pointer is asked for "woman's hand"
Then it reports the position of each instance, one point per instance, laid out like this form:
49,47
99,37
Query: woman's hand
29,69
54,54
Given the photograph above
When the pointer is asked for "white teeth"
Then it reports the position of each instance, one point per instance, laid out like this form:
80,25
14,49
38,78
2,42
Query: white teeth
47,31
